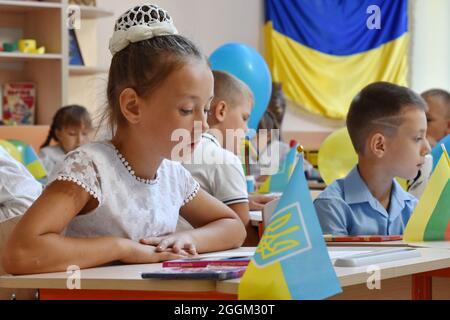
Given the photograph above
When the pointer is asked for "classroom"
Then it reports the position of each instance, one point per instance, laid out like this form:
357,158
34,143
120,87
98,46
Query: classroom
224,150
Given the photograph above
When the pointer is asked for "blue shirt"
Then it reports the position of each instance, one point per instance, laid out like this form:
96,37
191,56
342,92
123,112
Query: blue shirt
347,207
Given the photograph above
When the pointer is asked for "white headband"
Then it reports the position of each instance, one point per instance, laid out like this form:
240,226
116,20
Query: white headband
138,24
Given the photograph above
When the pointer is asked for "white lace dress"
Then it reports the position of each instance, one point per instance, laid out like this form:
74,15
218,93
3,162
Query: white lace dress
127,207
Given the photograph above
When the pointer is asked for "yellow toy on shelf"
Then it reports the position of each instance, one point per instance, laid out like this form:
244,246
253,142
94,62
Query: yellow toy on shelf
30,46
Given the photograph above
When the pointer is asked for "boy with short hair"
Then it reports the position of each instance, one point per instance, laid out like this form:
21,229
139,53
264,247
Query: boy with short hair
387,125
214,163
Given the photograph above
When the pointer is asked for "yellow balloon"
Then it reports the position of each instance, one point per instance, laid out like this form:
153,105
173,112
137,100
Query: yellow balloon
12,150
336,156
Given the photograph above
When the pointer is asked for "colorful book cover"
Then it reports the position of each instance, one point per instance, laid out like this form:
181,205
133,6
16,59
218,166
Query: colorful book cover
19,103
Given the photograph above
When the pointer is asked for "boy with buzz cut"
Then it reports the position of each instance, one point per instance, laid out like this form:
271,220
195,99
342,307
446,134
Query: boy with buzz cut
387,125
214,163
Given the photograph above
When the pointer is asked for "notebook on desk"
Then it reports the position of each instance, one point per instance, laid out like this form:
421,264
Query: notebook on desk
376,257
221,262
211,273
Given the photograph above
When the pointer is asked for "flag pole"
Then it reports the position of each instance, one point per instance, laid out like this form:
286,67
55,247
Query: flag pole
444,151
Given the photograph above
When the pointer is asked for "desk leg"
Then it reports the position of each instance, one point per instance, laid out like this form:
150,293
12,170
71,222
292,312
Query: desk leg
260,229
421,287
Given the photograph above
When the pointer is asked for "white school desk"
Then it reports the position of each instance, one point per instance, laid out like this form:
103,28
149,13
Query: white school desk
402,279
120,282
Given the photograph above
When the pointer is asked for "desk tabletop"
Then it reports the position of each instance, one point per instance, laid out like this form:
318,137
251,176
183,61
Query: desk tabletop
128,277
430,259
117,277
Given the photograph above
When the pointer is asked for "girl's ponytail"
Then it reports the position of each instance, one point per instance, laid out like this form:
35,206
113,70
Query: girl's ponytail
50,137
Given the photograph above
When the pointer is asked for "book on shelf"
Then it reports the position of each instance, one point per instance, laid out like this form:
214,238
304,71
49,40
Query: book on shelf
19,103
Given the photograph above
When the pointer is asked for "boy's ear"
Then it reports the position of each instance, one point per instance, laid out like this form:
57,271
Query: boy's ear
377,145
220,111
129,105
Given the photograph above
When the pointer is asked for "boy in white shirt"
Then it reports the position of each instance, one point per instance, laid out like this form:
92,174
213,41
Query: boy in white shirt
18,188
215,164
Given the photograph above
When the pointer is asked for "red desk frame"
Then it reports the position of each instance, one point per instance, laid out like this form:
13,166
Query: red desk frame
422,283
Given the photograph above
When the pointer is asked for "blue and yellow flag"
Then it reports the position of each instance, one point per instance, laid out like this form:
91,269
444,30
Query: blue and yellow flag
291,260
325,51
279,181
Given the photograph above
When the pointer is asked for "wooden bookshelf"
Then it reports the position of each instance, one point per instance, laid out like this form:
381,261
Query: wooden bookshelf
57,82
86,83
29,56
44,21
27,6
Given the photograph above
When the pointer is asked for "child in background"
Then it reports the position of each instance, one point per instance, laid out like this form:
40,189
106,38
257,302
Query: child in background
18,188
218,169
70,128
120,200
438,122
438,114
272,119
266,157
387,125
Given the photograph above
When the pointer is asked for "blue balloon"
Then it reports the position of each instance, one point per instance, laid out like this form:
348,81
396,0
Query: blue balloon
249,66
436,152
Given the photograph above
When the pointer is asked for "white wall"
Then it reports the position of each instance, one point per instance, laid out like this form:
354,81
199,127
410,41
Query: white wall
212,23
430,44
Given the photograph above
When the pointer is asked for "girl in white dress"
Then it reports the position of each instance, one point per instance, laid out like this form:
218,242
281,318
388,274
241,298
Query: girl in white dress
70,128
119,200
18,188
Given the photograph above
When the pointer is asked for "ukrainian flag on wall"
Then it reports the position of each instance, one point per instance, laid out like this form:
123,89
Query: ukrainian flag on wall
326,51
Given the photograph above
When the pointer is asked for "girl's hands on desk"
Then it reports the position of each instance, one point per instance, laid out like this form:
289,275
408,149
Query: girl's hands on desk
179,243
135,252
